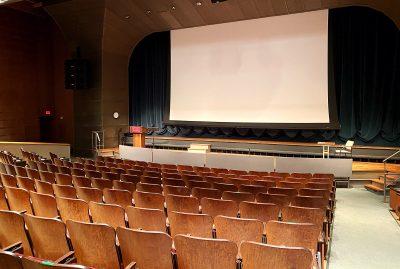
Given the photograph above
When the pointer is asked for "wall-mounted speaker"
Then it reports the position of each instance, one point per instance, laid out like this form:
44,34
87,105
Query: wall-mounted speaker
77,74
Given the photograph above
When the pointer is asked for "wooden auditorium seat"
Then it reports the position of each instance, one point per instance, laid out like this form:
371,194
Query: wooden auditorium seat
199,225
254,189
47,177
122,185
26,183
291,192
311,201
73,209
94,244
64,170
184,204
146,219
149,200
215,207
260,211
171,176
199,193
13,236
110,176
151,180
148,249
129,178
44,205
89,194
173,182
266,183
18,200
238,196
146,187
3,200
296,214
9,181
176,190
225,187
48,237
257,255
64,191
198,184
81,181
63,179
32,173
44,187
290,185
201,253
10,260
110,214
122,198
20,171
101,184
77,172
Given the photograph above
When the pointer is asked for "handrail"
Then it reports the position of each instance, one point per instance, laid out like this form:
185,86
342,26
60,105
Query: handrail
391,156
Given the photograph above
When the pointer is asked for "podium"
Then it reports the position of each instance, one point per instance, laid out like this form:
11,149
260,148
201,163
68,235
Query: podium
139,136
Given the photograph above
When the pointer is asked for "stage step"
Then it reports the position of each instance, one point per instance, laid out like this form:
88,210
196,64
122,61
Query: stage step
377,184
372,187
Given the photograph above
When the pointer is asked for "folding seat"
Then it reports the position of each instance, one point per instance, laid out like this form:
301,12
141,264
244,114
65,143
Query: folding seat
122,198
94,244
102,168
9,181
278,199
151,180
78,165
208,174
63,179
199,225
89,194
93,174
80,160
215,207
238,230
291,192
173,182
48,236
47,177
276,179
77,172
79,181
122,185
110,214
10,169
212,179
110,165
176,190
259,173
124,166
57,162
296,214
116,170
271,257
41,166
301,175
129,178
9,260
171,175
157,165
266,183
324,180
98,159
149,200
3,200
64,170
201,169
134,172
206,192
239,181
254,189
209,253
220,170
181,167
26,183
129,162
64,191
52,168
146,219
198,184
20,171
321,186
44,187
292,185
184,204
187,177
250,177
33,173
260,211
18,200
319,175
238,196
44,205
101,183
279,174
154,188
86,167
73,209
13,236
155,174
110,176
139,247
237,172
311,202
188,173
296,179
287,234
169,166
315,192
32,165
225,187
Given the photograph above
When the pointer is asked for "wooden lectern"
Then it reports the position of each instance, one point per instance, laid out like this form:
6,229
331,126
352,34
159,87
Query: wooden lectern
139,136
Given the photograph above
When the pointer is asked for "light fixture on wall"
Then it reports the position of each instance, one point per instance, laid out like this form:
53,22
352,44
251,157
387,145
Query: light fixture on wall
115,115
198,3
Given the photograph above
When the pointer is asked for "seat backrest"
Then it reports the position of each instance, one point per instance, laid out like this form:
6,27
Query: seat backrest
183,204
254,189
33,173
238,230
130,178
315,192
101,183
48,237
271,257
266,183
146,187
311,202
110,175
198,184
201,253
26,183
123,185
146,219
47,177
176,190
173,182
89,194
292,185
291,192
293,234
94,244
73,209
122,198
304,215
278,199
64,191
64,179
3,200
151,180
145,248
81,181
199,225
18,200
43,205
260,211
20,171
238,196
206,192
215,207
110,214
44,187
12,231
9,180
9,260
317,185
225,187
148,200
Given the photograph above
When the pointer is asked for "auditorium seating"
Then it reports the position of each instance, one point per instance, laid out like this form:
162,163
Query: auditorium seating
223,208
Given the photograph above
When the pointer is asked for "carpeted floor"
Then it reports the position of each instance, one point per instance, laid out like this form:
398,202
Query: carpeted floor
365,235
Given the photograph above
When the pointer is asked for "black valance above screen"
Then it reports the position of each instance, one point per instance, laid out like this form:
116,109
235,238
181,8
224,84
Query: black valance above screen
364,67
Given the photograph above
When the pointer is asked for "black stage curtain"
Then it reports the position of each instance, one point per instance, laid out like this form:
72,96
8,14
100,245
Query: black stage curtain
364,69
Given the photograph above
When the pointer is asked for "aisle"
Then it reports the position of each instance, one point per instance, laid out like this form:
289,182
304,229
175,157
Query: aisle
365,235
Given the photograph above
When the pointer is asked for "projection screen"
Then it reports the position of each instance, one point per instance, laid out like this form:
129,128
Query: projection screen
270,72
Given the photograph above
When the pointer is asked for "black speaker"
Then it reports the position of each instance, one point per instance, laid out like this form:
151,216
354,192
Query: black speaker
77,74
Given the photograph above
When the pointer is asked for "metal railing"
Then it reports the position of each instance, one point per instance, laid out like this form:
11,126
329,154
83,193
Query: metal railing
386,173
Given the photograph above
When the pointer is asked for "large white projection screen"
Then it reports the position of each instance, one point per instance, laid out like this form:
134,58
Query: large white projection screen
269,70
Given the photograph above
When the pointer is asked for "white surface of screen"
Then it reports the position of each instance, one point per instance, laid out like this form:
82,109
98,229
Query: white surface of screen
269,70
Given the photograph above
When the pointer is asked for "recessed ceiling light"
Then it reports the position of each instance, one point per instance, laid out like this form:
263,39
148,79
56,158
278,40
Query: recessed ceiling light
127,17
199,3
173,7
148,12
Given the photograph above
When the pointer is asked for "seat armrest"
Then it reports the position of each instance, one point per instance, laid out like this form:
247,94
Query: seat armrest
132,265
67,258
